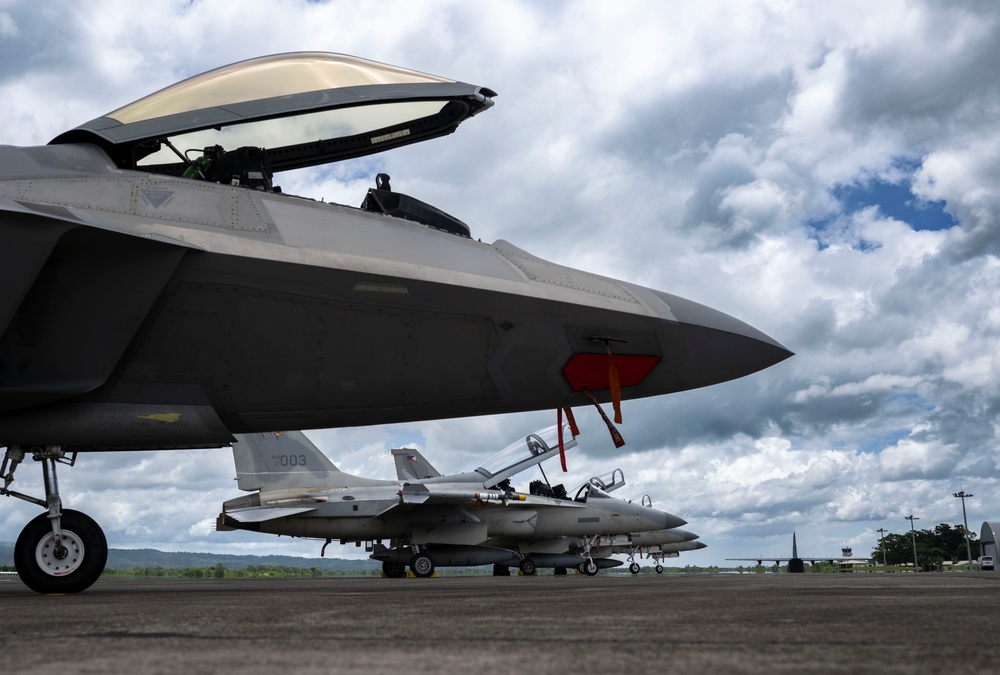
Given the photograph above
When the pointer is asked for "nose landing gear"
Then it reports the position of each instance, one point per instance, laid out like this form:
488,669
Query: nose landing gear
60,551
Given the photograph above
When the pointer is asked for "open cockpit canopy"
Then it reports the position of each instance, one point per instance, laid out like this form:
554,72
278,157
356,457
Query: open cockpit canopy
300,109
525,453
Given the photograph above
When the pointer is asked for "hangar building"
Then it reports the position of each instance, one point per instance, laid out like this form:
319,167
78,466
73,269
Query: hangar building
988,539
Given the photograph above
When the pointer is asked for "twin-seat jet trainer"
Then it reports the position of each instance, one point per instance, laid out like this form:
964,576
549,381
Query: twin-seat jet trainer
474,518
161,291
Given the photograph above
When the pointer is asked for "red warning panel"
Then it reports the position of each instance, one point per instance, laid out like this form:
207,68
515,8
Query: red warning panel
591,371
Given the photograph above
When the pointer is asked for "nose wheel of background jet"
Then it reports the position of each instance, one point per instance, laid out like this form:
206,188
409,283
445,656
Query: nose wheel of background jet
634,568
422,565
527,567
70,566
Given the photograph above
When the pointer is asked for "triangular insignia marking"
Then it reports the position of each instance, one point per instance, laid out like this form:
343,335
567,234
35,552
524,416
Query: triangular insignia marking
156,197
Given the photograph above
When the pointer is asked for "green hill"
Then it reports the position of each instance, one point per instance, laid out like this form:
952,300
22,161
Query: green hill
120,559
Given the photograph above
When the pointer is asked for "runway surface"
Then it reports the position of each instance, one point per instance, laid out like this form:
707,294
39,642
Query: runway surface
818,623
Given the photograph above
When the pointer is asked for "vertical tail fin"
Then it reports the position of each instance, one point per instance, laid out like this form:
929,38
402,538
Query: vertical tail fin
411,465
279,460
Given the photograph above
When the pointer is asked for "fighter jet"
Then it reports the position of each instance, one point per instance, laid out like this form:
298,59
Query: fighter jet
161,291
656,545
588,554
474,518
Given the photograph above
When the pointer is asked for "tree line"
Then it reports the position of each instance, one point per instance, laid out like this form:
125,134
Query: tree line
944,543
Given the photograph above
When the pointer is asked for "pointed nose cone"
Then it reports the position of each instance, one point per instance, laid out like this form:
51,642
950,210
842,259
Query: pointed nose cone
709,346
671,521
684,535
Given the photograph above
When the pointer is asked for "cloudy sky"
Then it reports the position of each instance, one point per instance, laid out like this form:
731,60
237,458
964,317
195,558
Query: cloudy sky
827,172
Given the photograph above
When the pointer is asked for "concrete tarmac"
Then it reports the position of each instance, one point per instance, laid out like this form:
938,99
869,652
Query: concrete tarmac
816,623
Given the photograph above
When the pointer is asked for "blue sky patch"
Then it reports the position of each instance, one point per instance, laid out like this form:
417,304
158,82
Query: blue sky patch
895,200
877,443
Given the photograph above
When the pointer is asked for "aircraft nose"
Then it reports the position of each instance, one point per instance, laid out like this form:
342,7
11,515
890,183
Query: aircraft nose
685,535
717,347
669,521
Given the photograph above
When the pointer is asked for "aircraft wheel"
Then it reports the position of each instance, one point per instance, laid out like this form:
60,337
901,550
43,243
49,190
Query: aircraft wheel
634,568
70,568
527,567
659,569
501,571
422,565
559,571
590,568
393,570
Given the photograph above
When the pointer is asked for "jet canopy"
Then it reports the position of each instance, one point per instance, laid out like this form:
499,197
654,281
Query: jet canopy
301,109
523,454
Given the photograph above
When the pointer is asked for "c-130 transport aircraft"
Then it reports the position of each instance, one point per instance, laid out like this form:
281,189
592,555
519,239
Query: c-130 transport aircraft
160,292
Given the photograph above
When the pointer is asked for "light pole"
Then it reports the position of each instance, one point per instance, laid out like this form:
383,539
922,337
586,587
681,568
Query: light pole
913,536
962,494
881,545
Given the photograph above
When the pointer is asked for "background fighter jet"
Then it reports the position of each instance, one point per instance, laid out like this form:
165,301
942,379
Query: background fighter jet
161,292
473,518
585,553
657,545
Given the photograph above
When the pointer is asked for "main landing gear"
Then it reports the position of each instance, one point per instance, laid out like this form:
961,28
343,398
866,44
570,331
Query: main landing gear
422,565
60,551
393,570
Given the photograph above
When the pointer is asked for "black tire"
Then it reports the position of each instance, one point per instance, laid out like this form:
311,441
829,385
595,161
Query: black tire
560,571
501,571
527,567
422,565
393,570
634,568
659,569
590,568
86,554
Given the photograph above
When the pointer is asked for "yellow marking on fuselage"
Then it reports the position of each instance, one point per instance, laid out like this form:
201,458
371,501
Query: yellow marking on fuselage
162,417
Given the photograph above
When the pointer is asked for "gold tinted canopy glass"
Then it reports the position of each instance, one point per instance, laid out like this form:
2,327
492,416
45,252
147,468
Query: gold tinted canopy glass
267,77
301,109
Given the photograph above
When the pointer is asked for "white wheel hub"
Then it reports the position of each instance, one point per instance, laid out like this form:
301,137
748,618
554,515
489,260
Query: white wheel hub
59,563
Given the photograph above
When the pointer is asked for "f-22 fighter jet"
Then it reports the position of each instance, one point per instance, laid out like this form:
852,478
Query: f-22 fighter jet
474,518
160,290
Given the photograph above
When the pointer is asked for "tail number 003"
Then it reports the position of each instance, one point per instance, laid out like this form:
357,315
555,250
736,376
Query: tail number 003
288,460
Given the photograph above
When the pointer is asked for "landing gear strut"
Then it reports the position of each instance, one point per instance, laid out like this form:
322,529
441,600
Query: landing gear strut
58,551
588,566
633,565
